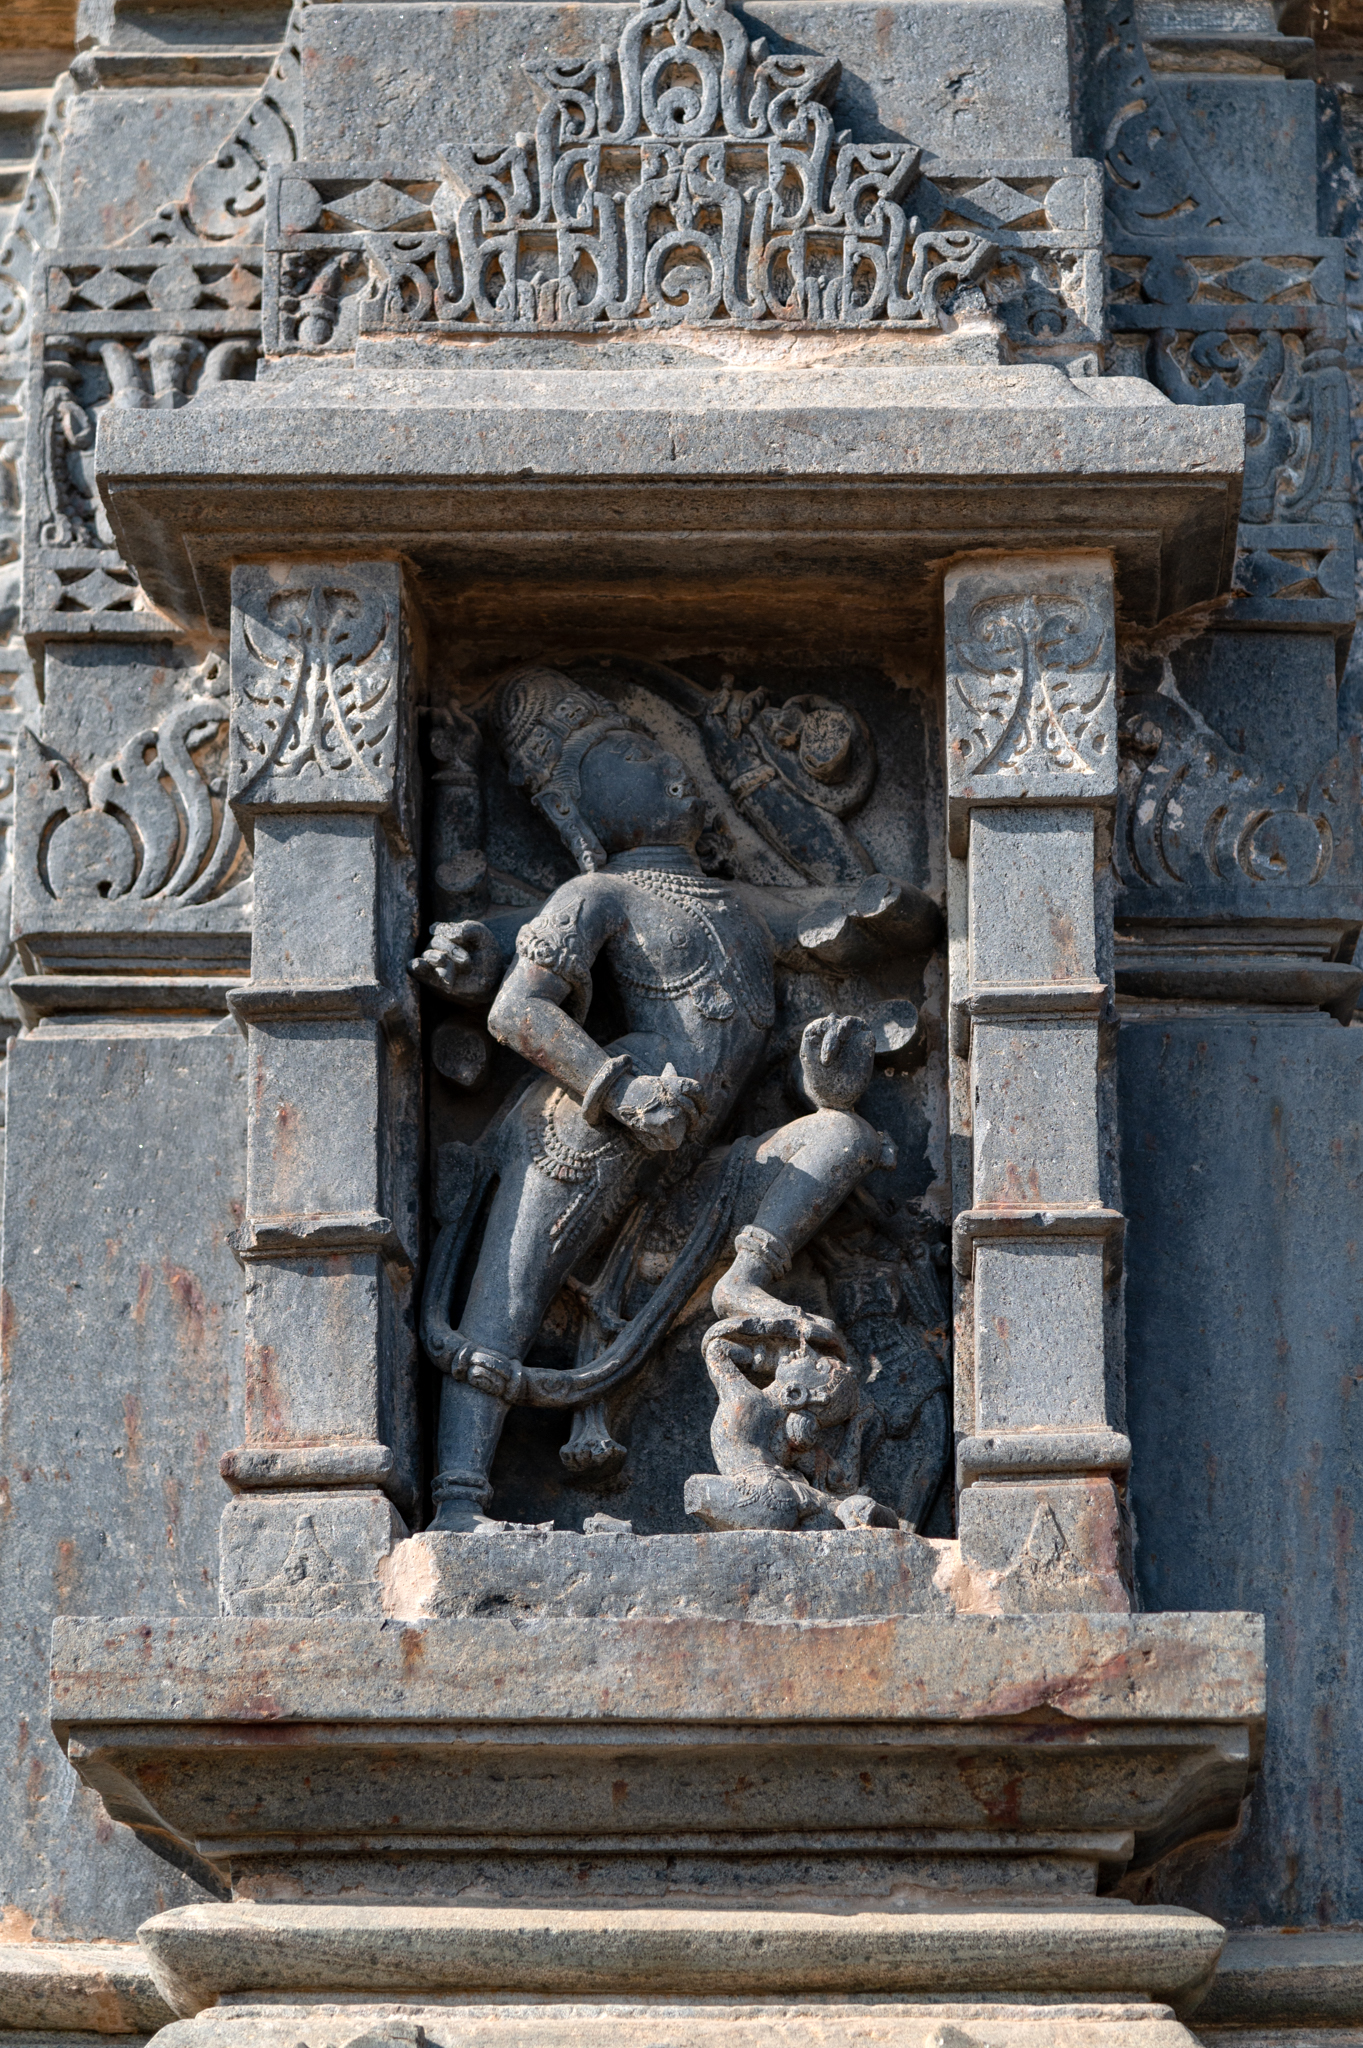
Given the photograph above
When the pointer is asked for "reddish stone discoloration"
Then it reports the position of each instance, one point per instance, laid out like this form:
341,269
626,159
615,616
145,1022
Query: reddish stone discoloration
266,1417
8,1326
187,1298
146,1280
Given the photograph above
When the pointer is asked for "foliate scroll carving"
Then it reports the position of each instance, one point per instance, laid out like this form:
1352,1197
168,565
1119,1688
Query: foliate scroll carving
690,176
315,674
358,250
1200,305
226,197
145,832
1156,185
1031,681
1197,815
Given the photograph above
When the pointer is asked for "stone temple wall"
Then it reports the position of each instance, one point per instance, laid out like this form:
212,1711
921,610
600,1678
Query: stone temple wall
977,542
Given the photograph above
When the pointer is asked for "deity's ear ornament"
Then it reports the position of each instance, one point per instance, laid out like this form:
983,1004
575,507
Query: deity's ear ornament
545,725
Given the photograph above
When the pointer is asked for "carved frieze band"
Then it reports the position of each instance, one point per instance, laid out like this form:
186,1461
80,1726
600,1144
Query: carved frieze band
1030,684
1214,312
689,177
138,330
316,707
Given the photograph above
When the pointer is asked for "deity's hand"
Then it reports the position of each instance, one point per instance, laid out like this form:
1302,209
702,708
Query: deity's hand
837,1058
660,1110
463,961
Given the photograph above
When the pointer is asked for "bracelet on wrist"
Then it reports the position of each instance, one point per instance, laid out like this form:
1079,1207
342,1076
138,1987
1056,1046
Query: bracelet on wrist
601,1084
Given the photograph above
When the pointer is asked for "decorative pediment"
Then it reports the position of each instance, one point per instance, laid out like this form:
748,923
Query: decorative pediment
688,176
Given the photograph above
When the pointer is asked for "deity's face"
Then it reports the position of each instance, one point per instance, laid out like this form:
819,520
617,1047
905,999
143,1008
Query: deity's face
634,793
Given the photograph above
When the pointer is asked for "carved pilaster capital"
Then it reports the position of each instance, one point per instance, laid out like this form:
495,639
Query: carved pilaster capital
317,700
1031,686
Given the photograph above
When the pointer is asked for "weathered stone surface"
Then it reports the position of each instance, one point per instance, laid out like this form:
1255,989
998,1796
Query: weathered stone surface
925,2023
486,1752
123,1304
95,1989
461,73
1248,1281
1268,1978
1090,1667
893,458
687,353
760,1575
307,1553
201,1952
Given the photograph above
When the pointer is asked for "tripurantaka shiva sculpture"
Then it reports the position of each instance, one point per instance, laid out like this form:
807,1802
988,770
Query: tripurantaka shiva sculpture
617,1176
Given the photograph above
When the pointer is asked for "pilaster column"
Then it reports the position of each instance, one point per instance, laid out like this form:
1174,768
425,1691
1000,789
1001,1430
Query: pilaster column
321,703
1032,780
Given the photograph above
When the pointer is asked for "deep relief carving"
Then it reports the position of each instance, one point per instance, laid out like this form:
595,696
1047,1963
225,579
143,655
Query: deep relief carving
1156,187
690,177
627,1194
1196,814
1212,320
314,684
137,334
1031,685
149,826
1296,402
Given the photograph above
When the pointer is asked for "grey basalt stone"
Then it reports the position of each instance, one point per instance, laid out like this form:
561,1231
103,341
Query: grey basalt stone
760,1575
786,1756
112,1439
1101,1947
459,72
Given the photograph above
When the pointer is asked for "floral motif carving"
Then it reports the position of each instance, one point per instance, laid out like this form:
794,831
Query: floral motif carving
151,823
226,197
1031,677
1193,811
314,683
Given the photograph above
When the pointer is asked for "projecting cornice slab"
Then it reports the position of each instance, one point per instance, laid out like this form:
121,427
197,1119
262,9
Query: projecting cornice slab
817,500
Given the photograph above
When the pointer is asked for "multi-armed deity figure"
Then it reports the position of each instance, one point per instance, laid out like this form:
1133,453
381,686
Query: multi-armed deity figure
616,1135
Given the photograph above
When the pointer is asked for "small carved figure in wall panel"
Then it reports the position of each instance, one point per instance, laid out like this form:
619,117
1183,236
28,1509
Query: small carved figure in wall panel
721,999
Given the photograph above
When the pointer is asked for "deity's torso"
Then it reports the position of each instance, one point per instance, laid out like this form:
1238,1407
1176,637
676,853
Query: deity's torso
692,965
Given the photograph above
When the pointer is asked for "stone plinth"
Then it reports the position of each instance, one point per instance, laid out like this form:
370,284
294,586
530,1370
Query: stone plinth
801,1974
658,1757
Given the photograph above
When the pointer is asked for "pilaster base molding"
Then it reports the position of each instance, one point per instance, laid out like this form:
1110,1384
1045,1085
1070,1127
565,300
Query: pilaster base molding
1101,1975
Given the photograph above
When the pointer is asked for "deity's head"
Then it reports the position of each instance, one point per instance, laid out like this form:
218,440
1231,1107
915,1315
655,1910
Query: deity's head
603,782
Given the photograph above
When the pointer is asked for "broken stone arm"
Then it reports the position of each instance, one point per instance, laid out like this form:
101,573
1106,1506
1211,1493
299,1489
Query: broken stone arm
883,918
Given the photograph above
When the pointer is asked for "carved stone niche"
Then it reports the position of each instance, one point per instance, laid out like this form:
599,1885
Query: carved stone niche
750,855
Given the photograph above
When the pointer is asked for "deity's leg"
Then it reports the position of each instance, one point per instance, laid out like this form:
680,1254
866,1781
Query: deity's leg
538,1228
815,1163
